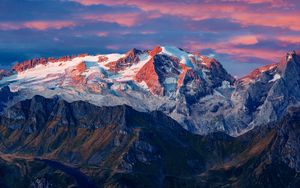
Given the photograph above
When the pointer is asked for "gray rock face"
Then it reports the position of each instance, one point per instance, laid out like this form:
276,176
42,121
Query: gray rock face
194,90
5,96
289,140
38,111
259,98
40,183
122,142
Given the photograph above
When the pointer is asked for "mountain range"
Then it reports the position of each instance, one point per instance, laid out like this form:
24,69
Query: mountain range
163,117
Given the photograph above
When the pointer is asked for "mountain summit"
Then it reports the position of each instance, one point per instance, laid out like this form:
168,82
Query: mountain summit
129,120
194,90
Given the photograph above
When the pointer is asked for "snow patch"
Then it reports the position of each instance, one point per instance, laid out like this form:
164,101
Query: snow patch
225,84
276,77
129,73
171,80
111,58
143,85
180,54
41,72
114,57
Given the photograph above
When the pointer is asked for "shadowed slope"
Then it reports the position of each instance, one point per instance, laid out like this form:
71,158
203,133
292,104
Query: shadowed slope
118,146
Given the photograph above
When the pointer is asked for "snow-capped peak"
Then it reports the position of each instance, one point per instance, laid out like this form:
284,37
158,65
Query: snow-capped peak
178,53
165,78
161,71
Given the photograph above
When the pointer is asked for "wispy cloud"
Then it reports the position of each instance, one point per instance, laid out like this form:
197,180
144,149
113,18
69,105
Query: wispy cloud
124,19
242,31
236,10
102,34
37,25
43,25
244,39
289,39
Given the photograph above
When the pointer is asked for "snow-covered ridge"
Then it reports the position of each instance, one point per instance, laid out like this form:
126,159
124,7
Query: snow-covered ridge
178,53
193,89
133,78
96,68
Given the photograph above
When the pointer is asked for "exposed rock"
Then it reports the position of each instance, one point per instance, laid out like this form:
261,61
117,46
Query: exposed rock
193,89
28,64
148,75
40,183
131,57
149,146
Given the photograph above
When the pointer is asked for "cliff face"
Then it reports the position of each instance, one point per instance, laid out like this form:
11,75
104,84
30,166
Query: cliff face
166,78
118,146
29,64
129,120
5,97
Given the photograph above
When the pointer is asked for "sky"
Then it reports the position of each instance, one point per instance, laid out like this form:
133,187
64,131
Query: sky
241,34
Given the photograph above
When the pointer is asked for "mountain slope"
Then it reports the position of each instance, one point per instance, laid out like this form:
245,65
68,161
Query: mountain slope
109,142
118,146
166,78
194,90
266,93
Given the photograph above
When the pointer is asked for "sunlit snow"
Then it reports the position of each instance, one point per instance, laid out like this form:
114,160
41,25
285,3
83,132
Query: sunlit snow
276,77
180,54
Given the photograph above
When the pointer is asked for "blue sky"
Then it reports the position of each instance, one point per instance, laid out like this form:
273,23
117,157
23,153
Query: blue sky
241,34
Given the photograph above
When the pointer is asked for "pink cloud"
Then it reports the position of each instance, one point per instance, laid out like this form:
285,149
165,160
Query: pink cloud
9,26
123,19
272,55
37,25
273,3
148,32
288,20
113,47
44,25
240,11
271,13
128,32
239,53
289,39
244,39
97,2
102,34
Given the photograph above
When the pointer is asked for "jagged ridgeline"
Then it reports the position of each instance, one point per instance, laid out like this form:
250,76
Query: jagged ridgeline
50,141
193,89
163,117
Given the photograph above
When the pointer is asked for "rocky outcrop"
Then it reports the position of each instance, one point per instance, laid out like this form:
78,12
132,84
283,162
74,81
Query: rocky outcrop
148,75
118,146
259,98
20,67
28,64
6,96
193,89
267,92
155,51
216,74
4,73
40,183
65,58
102,59
131,58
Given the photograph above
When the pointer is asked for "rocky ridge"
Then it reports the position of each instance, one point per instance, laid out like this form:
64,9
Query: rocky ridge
194,90
119,146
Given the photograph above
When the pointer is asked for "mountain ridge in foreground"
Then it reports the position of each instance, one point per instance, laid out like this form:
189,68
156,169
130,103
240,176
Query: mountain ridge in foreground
41,139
